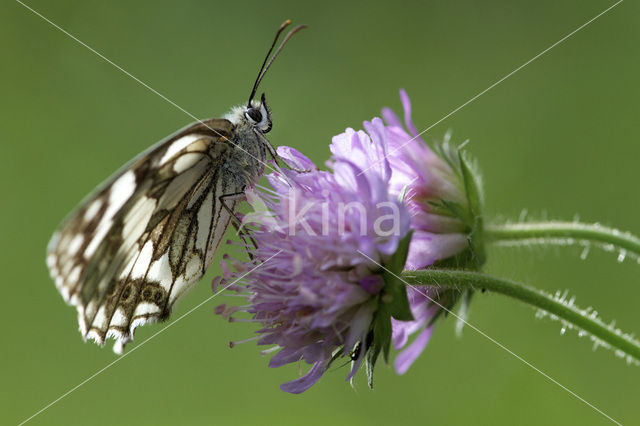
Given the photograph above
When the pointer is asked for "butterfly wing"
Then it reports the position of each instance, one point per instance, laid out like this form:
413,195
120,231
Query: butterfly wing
146,235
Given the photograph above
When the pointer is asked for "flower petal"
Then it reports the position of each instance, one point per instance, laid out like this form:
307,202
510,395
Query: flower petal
295,158
406,105
426,248
391,118
404,360
305,382
284,356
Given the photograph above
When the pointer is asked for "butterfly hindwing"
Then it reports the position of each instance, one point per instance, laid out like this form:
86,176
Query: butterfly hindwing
133,247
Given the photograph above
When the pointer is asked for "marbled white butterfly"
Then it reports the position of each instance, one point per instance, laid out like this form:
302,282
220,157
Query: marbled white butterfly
149,233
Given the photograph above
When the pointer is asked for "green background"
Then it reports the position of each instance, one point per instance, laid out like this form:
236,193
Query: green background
559,136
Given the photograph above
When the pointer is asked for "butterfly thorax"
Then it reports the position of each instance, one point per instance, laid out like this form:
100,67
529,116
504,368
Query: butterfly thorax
249,156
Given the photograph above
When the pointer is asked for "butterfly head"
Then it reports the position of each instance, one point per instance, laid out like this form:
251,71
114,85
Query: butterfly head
255,116
258,115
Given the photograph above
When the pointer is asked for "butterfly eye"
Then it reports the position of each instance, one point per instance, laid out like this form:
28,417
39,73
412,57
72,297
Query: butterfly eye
254,115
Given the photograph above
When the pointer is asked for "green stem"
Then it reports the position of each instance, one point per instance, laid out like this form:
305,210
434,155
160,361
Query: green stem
564,233
558,307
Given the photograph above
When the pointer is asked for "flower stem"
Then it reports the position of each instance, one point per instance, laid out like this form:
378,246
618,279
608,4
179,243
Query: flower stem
557,307
564,233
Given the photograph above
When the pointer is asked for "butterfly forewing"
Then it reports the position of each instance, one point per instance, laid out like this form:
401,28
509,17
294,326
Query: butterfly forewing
133,247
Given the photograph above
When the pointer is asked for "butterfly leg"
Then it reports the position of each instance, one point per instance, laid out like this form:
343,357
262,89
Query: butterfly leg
235,220
274,153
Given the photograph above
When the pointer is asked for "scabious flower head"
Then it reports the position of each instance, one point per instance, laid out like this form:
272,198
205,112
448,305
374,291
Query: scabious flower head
327,248
315,284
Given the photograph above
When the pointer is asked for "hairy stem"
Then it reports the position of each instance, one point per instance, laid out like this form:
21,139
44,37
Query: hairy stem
555,232
557,307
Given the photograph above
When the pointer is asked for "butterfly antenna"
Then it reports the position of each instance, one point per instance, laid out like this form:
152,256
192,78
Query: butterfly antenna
265,65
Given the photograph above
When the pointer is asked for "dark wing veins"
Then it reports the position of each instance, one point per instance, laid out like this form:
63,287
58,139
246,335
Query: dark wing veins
131,249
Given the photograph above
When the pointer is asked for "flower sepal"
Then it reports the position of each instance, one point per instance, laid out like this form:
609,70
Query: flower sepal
470,211
393,303
380,336
394,294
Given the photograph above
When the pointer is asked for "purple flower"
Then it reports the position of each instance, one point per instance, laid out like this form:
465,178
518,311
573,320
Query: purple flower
316,286
317,241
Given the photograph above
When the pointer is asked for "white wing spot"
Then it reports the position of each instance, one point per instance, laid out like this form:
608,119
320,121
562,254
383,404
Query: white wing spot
64,241
75,300
179,287
92,210
178,146
96,240
178,187
186,281
135,222
146,308
82,325
119,319
64,291
186,161
120,192
100,321
75,244
74,275
125,272
160,272
90,309
142,264
66,268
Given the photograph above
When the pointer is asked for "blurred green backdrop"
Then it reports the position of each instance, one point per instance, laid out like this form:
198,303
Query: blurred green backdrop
559,136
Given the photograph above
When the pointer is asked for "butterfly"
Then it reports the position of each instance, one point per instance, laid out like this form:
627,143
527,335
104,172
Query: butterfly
148,234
